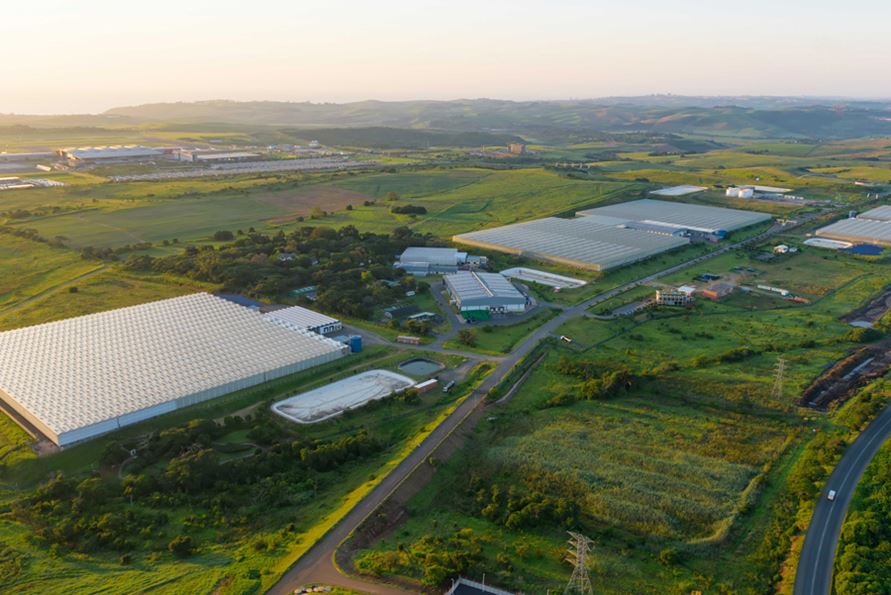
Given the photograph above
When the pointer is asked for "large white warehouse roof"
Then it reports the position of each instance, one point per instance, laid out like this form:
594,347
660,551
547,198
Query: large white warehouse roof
128,152
680,215
81,377
882,213
576,242
859,230
298,317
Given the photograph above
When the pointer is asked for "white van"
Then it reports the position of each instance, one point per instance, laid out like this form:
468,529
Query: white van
831,495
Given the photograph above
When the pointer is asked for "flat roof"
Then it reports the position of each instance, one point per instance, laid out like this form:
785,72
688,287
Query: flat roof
231,155
83,376
681,190
441,256
680,215
858,230
469,285
576,242
300,318
112,152
881,213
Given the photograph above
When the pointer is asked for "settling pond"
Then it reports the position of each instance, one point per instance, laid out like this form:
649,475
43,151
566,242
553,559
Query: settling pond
420,367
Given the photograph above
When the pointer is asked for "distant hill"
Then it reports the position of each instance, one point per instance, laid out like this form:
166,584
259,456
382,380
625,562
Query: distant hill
404,138
756,117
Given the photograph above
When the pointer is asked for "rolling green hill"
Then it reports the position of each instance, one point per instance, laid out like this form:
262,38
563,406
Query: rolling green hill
777,119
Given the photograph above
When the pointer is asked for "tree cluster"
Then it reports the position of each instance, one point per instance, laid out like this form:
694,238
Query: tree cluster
346,266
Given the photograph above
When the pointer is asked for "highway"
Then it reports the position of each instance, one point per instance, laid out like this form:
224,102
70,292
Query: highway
814,576
317,564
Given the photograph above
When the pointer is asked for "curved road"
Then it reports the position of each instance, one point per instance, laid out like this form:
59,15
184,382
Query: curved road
317,564
814,576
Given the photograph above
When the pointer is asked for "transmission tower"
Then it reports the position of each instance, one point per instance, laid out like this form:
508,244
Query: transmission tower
777,392
579,549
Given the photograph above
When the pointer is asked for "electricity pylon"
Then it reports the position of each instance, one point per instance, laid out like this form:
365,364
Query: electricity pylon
579,549
777,392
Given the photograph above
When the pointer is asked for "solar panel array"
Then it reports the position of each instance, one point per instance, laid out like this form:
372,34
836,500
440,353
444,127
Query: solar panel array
102,369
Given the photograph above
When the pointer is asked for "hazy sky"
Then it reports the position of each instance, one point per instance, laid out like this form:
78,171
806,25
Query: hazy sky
63,56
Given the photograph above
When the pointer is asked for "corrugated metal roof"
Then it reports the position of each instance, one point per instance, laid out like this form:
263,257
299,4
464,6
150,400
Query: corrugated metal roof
437,256
468,285
82,371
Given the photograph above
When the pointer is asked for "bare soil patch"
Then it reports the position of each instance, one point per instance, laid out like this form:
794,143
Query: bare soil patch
303,200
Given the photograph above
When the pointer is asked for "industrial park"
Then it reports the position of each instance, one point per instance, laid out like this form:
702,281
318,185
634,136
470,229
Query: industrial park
374,299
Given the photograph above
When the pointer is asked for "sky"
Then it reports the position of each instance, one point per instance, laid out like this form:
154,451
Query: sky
88,56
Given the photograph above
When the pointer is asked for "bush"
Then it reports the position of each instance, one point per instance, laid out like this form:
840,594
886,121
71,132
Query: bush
223,236
181,546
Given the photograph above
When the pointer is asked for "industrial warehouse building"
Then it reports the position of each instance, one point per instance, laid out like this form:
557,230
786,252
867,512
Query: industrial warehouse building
471,290
116,153
871,227
303,319
78,378
579,242
613,236
679,215
422,261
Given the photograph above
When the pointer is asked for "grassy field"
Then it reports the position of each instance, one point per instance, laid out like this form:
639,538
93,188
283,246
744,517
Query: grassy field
669,475
28,269
498,339
106,290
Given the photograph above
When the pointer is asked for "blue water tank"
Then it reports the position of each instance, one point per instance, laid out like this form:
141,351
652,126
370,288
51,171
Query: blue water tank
356,343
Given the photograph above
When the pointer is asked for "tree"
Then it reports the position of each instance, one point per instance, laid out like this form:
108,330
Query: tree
467,337
223,236
392,196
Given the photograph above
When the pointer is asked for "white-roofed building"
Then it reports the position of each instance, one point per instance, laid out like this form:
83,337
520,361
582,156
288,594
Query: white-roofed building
681,215
421,260
617,235
304,319
859,230
471,290
78,378
576,242
115,153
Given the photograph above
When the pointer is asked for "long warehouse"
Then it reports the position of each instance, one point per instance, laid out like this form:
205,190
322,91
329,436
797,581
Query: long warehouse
78,378
859,230
609,237
679,215
578,242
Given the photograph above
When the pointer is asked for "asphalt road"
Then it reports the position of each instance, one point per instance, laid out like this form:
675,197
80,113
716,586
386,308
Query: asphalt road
814,576
317,565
